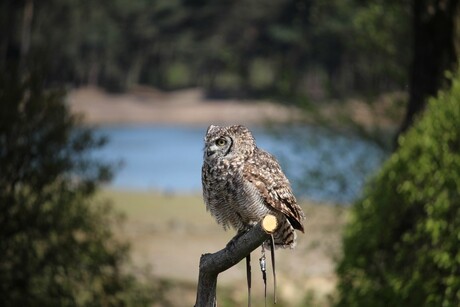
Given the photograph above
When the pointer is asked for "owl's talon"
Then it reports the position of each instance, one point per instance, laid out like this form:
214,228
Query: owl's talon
231,243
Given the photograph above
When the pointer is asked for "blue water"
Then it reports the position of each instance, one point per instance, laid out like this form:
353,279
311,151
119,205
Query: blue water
321,166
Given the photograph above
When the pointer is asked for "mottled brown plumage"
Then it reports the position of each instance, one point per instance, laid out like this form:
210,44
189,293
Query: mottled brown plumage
242,184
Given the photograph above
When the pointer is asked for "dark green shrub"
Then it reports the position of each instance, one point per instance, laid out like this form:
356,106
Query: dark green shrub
402,245
56,244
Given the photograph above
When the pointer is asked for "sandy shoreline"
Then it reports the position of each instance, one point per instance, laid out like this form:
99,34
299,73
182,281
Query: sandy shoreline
145,105
185,107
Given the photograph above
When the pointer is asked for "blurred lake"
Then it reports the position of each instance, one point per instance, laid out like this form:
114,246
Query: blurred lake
320,165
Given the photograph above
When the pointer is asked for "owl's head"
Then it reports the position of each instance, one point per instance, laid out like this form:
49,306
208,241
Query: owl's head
228,142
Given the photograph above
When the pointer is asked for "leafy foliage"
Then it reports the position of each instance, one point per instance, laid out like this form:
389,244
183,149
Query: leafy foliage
401,247
57,245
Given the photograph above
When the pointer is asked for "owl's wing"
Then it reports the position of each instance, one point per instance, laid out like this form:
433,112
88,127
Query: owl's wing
266,175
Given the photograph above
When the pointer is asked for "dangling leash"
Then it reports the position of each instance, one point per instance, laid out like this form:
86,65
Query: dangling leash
272,241
263,268
248,276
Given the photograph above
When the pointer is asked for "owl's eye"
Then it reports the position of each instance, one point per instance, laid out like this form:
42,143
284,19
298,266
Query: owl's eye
221,142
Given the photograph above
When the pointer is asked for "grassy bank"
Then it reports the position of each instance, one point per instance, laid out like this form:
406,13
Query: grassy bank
168,234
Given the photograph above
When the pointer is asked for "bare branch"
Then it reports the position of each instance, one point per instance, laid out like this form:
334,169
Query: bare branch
236,250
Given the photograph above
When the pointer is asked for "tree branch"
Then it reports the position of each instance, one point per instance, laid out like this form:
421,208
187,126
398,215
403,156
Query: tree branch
236,250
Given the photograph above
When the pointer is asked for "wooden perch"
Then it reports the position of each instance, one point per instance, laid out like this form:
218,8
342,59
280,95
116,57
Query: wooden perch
236,250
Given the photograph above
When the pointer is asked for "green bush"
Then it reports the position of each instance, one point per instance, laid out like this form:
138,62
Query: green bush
56,243
402,245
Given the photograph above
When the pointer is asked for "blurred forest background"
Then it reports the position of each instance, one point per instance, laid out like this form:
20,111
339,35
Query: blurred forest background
56,237
283,48
297,52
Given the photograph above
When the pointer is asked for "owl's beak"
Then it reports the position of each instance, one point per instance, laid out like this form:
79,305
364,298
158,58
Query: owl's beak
211,150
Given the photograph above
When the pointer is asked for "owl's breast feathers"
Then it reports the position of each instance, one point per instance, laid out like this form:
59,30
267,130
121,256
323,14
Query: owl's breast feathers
223,192
264,172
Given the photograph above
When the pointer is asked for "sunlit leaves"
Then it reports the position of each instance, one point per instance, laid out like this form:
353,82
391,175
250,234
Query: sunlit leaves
403,239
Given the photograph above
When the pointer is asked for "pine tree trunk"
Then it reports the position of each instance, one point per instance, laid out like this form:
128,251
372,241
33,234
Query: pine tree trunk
26,28
433,52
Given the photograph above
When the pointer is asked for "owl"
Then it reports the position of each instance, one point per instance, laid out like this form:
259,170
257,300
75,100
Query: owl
243,183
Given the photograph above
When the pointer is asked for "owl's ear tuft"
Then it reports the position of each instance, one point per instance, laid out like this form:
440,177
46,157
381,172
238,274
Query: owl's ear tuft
210,128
